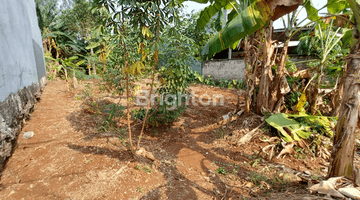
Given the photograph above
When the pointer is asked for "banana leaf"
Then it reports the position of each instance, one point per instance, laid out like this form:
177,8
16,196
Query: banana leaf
210,11
253,18
292,130
289,129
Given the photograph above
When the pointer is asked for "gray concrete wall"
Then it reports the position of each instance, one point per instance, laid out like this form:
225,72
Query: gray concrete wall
21,53
224,69
22,69
235,68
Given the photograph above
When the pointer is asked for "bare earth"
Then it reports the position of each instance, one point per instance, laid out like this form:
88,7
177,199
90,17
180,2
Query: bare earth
70,158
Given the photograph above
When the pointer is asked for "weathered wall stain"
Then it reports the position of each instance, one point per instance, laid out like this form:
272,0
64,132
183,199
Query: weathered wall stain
22,70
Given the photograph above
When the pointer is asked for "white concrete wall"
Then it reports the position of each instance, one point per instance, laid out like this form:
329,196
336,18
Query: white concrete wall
224,69
21,54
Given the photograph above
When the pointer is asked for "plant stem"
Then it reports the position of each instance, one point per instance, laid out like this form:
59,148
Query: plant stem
127,85
156,59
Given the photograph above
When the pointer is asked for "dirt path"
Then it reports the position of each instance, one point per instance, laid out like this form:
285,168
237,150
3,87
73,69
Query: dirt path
68,158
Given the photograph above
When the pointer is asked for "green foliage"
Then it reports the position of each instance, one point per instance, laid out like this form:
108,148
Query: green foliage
301,126
312,12
64,26
209,81
175,74
113,81
81,75
292,99
176,70
187,26
159,115
80,19
140,189
256,178
46,12
299,153
247,21
231,84
337,6
221,170
311,43
145,168
106,111
290,65
198,77
296,131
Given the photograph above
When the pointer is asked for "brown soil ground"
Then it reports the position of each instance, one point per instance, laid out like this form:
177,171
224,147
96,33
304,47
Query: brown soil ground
72,157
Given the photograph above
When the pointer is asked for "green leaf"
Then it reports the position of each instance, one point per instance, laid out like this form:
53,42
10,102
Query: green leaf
312,12
347,38
54,34
321,121
218,24
247,22
336,6
93,45
80,63
281,122
198,1
210,11
72,58
232,15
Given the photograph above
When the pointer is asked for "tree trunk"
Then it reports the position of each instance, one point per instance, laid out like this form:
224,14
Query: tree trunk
280,85
56,63
75,82
341,162
93,66
266,75
336,98
248,67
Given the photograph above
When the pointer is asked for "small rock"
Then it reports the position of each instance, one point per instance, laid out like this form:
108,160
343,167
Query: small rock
225,116
143,152
28,135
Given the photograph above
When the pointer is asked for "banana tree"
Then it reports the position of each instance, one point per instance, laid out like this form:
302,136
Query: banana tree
255,16
101,41
69,62
247,17
258,15
342,158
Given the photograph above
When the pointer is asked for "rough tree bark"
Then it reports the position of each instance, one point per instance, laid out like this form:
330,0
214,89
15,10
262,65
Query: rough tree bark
262,101
280,86
342,158
251,64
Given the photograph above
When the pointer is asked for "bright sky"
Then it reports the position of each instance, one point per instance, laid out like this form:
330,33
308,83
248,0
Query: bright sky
277,24
190,5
